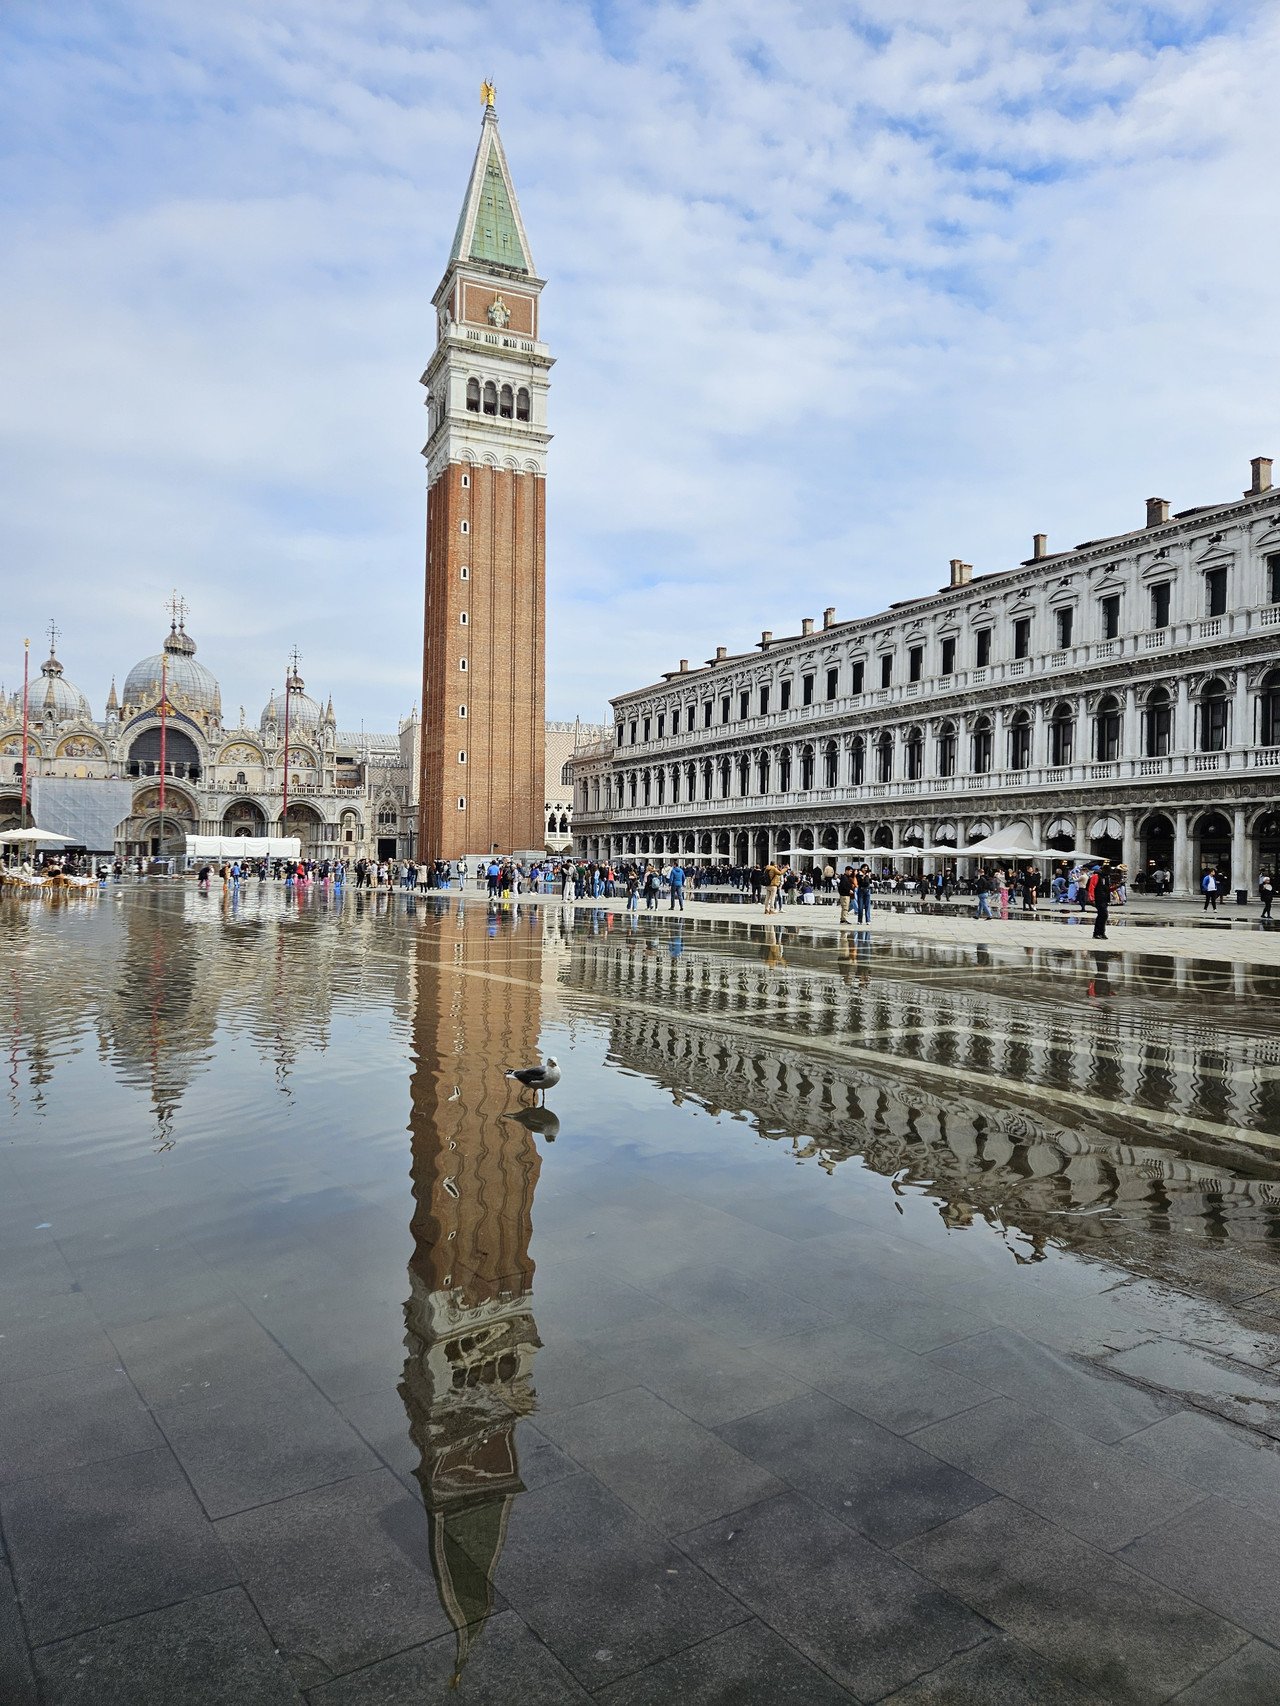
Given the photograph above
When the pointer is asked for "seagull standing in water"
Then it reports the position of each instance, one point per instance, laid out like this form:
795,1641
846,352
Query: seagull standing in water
537,1078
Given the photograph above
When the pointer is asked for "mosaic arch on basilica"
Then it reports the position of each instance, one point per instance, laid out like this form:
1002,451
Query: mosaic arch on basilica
1121,698
350,794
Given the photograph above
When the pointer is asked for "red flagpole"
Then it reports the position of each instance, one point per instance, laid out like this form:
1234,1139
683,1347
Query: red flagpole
284,813
164,725
26,677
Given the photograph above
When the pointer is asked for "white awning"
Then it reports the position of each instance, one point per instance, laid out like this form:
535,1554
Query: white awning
244,846
1106,829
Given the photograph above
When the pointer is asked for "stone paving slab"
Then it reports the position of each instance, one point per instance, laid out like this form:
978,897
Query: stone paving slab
863,1617
884,1486
1123,1636
202,1652
504,1663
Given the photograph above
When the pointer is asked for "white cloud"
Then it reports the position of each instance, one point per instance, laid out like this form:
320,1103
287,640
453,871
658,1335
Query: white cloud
832,301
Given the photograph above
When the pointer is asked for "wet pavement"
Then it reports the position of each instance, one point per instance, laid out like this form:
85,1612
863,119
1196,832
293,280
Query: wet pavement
876,1318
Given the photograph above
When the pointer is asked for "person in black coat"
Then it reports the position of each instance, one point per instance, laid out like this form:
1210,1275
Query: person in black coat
1101,903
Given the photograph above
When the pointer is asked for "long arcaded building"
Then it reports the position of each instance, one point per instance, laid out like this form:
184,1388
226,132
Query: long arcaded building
1120,698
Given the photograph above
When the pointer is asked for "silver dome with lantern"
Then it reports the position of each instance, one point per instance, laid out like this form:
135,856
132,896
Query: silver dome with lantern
191,687
305,713
66,702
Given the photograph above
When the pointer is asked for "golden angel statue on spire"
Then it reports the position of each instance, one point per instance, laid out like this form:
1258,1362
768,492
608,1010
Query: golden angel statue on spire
488,94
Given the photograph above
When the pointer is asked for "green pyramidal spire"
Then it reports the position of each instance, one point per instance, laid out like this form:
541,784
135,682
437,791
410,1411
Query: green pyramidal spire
490,230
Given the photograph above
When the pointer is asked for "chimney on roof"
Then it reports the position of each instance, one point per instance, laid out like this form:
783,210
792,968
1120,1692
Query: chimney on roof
1039,546
722,652
1260,469
961,573
766,639
1157,511
684,666
829,616
806,624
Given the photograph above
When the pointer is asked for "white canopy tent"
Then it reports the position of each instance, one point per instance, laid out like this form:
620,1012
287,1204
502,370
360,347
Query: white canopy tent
244,847
1006,845
29,837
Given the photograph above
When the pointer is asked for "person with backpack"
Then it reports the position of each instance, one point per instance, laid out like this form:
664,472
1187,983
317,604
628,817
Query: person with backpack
845,887
1209,889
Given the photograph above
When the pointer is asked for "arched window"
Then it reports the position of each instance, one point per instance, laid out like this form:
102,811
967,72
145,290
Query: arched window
806,768
631,788
784,770
1106,730
646,783
1269,709
564,824
691,777
744,773
1158,735
490,397
913,755
723,770
1020,741
506,403
662,786
1062,730
522,404
675,782
858,762
707,773
947,749
763,768
982,745
551,824
830,764
1213,716
884,757
473,396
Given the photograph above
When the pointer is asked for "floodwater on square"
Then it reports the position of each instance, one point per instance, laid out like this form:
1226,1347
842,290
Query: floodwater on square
496,1364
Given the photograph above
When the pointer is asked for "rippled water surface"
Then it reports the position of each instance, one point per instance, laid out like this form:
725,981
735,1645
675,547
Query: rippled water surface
259,1155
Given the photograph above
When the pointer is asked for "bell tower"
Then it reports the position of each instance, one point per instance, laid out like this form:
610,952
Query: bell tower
484,643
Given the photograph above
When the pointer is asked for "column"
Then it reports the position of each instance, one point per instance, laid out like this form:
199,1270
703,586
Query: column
1181,853
1243,875
1082,745
1039,756
1241,722
1129,728
999,735
1081,821
1182,741
1129,855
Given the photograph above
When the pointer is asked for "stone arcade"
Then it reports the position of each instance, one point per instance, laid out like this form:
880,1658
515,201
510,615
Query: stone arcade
1120,698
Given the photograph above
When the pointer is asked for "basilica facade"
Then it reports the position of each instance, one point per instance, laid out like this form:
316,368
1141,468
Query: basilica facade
1121,698
350,795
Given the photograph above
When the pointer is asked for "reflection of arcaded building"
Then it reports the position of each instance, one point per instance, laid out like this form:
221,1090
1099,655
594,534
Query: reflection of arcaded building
470,1333
1001,1106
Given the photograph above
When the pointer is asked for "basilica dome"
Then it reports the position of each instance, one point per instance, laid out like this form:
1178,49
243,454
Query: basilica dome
305,714
192,687
57,694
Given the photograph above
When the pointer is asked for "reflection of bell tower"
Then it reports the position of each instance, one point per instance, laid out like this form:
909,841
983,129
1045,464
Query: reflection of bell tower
470,1334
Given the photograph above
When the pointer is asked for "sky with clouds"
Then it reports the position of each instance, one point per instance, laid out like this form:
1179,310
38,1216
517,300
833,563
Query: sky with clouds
836,291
